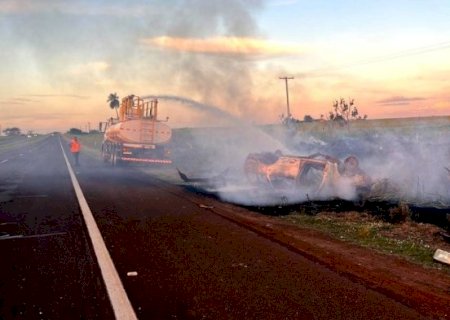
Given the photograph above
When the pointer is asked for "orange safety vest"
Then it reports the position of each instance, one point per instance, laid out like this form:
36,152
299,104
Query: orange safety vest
75,146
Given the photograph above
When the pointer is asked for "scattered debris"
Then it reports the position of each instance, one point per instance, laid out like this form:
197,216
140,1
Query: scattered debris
4,236
215,181
9,237
240,264
442,256
31,196
445,236
204,206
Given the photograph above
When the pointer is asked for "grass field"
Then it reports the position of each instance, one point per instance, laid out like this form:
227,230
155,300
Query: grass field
413,241
10,142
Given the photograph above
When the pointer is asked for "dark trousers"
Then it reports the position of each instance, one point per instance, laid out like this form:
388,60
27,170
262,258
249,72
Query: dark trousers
75,156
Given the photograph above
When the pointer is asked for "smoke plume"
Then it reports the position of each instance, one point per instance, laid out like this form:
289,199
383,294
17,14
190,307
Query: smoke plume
217,79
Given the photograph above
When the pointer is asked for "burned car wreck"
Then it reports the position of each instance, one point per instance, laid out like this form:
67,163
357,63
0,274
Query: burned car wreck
318,174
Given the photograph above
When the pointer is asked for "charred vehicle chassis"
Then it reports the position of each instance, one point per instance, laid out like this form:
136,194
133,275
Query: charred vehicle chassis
317,173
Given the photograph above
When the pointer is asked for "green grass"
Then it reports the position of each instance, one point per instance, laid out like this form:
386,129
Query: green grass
369,234
12,142
90,143
428,127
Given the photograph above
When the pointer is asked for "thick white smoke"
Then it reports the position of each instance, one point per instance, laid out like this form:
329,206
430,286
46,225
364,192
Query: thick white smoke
218,79
404,164
411,159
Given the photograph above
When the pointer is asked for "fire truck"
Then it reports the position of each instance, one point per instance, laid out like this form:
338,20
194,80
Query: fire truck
136,136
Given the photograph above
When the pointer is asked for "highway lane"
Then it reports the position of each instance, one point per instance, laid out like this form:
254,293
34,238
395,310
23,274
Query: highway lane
47,269
185,262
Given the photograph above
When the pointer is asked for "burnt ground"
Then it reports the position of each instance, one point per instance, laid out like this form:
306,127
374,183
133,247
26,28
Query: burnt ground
195,257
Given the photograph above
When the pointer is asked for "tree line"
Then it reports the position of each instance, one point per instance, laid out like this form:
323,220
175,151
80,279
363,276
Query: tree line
342,113
14,131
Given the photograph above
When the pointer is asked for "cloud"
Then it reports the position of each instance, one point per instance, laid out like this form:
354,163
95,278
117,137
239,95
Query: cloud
240,46
75,96
90,68
11,102
18,101
74,7
89,74
279,3
399,100
32,6
24,101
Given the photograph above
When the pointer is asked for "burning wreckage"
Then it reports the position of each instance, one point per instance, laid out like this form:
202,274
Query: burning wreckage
316,176
318,173
274,179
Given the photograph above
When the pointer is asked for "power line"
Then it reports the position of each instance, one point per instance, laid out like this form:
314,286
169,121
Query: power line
407,53
393,56
287,94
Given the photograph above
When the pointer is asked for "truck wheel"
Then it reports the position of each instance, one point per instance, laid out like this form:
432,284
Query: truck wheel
116,161
104,155
113,159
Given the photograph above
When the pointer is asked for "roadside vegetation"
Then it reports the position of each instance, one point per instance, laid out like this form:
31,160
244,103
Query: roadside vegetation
15,141
90,142
414,241
411,140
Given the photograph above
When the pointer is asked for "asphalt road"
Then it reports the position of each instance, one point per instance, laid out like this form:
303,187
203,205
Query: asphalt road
187,262
47,268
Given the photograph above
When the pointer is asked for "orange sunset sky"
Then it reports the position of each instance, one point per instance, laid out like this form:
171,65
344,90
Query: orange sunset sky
61,58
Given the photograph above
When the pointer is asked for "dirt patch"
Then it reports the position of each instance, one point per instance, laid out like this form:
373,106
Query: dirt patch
427,234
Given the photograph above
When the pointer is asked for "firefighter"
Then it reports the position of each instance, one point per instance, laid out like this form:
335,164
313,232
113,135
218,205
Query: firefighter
75,147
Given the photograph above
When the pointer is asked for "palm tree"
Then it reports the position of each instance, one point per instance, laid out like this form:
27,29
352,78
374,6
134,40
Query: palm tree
114,103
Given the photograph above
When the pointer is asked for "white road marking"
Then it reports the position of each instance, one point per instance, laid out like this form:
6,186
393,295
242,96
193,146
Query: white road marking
4,161
118,297
32,196
20,236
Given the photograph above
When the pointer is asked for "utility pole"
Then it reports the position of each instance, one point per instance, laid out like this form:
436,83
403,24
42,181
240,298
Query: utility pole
287,94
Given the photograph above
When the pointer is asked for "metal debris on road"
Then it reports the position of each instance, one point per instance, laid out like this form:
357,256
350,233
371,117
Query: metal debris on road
442,256
21,236
445,236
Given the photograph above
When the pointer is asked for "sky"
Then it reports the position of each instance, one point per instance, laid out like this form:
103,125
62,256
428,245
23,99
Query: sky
60,59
